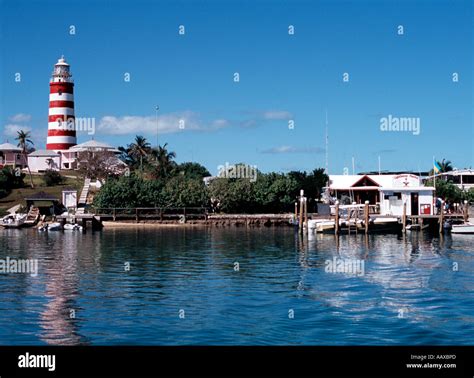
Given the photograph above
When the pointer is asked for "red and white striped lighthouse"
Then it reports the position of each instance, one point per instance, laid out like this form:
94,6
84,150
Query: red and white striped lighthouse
61,120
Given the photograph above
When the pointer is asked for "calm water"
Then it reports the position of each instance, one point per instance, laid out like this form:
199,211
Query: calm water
409,293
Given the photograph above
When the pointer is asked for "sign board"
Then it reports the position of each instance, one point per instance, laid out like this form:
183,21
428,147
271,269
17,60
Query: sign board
405,181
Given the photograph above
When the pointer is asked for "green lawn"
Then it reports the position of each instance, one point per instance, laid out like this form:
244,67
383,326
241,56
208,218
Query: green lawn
17,195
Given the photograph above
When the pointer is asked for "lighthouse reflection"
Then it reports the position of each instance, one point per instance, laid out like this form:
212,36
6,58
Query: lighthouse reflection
59,320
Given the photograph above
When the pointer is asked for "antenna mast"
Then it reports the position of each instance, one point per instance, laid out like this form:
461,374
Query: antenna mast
327,145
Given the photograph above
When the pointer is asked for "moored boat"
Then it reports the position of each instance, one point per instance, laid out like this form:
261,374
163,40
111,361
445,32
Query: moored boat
465,228
13,220
55,226
416,227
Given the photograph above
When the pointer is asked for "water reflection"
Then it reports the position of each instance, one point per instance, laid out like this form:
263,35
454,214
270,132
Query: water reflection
58,322
194,269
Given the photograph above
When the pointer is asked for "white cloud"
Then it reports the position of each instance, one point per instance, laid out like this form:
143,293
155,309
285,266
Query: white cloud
20,117
220,123
262,117
293,150
169,123
11,130
276,114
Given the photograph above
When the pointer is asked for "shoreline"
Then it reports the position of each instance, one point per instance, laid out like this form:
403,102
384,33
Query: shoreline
112,224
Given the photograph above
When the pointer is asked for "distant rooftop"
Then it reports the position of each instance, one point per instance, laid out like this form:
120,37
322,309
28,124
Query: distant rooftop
44,153
41,196
92,145
422,173
9,147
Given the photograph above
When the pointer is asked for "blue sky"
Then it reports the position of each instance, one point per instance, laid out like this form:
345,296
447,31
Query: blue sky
282,77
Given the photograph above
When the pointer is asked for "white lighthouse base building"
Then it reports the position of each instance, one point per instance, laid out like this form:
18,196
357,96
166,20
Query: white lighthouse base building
43,160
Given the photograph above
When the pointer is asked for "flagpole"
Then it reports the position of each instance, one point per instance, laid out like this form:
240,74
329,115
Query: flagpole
434,174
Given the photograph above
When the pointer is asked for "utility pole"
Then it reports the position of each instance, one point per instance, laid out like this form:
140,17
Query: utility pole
156,117
327,145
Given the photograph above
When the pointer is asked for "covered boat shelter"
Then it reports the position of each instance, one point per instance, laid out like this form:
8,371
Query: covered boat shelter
46,203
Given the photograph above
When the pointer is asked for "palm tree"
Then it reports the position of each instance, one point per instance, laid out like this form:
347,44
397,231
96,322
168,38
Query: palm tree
445,165
127,158
139,149
163,160
24,142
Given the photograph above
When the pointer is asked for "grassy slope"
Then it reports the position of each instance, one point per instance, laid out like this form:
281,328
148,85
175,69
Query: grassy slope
17,195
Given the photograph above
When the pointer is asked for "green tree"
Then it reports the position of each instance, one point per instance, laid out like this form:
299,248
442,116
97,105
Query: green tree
312,184
10,179
445,165
180,191
274,192
127,157
192,170
469,195
24,142
163,161
139,149
233,195
125,191
448,191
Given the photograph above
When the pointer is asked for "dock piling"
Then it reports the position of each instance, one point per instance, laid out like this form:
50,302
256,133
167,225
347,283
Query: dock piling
305,202
404,217
441,214
300,221
366,216
336,223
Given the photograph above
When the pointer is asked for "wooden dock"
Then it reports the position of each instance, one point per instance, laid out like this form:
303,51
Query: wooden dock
83,220
174,215
362,218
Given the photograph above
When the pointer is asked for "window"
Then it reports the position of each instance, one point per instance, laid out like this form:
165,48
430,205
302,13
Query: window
394,196
468,179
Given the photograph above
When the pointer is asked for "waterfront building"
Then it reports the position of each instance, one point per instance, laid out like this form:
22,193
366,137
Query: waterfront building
462,178
388,192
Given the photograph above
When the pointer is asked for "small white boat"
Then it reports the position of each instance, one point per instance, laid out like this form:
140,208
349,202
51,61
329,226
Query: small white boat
13,220
72,227
55,227
319,225
416,227
466,228
325,226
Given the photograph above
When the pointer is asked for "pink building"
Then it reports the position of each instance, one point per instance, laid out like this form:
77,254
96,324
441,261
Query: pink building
10,155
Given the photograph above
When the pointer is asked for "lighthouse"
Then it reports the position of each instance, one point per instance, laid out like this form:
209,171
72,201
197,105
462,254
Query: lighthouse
61,120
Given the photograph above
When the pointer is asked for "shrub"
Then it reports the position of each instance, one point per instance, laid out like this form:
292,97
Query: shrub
51,178
10,179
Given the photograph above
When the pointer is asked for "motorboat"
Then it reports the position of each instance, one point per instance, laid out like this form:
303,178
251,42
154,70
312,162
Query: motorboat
465,228
417,227
55,226
325,226
13,220
72,227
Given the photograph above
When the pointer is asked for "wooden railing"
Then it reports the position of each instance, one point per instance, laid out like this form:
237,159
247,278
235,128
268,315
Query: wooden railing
162,213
